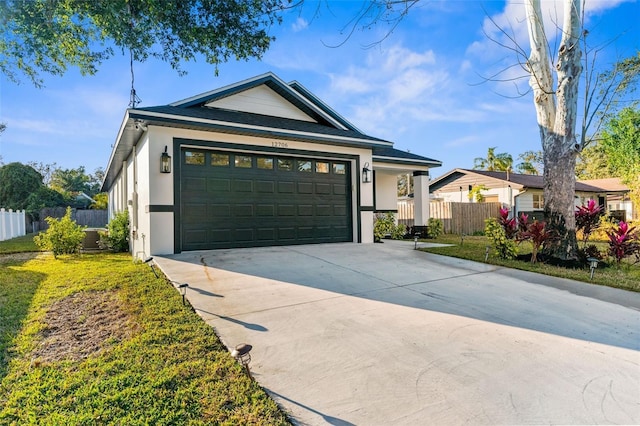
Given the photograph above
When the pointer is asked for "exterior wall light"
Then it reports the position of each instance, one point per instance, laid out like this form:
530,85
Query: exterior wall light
366,173
165,162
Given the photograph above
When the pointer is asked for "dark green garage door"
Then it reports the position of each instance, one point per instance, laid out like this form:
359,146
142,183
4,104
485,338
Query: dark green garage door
249,200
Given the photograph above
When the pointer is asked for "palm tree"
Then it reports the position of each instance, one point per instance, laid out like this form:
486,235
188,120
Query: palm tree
501,162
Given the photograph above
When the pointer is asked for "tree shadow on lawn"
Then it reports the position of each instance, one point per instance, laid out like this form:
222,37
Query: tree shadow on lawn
16,293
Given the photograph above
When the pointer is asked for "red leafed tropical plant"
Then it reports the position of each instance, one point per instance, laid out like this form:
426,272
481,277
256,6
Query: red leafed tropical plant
623,241
510,225
588,219
523,222
538,234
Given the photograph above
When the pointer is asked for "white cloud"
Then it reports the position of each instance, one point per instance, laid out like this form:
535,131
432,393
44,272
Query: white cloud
398,90
299,25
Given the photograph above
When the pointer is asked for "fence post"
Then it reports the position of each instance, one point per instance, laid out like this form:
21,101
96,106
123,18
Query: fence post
3,227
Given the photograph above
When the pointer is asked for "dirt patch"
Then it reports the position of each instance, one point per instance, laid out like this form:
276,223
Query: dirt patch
81,325
17,257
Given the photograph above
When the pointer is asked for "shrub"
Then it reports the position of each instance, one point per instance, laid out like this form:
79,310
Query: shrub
504,247
588,219
509,225
386,225
537,233
623,241
435,228
117,236
64,235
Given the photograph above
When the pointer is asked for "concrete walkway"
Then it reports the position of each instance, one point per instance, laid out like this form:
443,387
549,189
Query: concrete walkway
381,334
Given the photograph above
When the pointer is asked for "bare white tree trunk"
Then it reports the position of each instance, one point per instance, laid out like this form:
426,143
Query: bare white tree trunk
557,112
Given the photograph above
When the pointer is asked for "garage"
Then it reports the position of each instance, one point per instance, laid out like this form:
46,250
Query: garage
260,162
239,199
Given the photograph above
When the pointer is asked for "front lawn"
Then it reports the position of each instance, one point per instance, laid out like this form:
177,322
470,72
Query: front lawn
97,339
19,245
624,276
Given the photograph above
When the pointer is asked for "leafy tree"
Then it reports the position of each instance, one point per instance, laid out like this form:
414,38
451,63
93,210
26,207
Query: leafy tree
44,197
18,183
494,162
45,169
531,163
621,143
48,36
593,162
405,185
101,201
476,193
70,180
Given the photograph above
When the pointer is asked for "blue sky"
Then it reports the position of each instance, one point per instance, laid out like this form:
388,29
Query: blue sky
422,86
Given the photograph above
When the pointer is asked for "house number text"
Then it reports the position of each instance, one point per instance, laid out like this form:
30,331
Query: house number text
279,144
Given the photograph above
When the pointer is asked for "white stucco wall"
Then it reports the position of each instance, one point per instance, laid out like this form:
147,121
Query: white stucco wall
156,189
386,187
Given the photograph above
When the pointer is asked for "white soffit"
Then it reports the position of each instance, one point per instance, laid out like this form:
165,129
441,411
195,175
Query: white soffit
261,100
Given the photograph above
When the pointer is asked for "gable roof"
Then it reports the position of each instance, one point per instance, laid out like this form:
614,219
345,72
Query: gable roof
516,180
297,114
608,184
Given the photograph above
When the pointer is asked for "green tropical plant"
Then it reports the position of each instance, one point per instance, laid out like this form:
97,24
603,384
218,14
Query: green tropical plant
64,235
117,236
500,162
504,247
386,225
435,228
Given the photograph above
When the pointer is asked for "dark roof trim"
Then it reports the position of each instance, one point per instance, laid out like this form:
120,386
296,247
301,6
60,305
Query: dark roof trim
326,108
405,161
515,179
311,106
165,119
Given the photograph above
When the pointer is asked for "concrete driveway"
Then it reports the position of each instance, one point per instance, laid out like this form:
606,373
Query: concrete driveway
381,334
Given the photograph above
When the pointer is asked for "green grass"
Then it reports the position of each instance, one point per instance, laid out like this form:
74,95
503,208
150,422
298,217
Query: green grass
19,245
624,276
171,368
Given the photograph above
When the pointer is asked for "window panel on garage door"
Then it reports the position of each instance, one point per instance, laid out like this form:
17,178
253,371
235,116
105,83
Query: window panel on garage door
244,200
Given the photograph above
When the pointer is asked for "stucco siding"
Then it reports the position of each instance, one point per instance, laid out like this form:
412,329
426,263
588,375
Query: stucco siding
261,100
161,224
386,187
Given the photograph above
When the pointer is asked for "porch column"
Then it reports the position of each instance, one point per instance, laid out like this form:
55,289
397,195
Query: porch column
420,198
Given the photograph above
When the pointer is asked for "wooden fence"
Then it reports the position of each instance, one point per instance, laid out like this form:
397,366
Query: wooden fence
12,224
457,218
88,218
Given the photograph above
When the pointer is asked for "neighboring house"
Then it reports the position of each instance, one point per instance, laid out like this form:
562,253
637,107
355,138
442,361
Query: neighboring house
519,193
618,203
257,163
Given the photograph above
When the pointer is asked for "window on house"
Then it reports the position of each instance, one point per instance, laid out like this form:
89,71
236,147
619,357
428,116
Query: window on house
538,201
194,158
220,160
265,163
322,167
286,165
339,169
304,166
243,161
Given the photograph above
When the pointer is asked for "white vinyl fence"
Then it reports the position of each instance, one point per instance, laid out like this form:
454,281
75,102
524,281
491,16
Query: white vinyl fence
12,224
